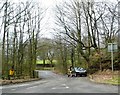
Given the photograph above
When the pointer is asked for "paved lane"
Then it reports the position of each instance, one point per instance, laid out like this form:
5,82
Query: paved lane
53,83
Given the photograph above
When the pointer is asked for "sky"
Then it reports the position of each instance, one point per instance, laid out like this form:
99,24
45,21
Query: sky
48,19
49,16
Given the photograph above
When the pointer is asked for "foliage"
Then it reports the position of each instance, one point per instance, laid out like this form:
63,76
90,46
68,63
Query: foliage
20,30
82,33
87,29
46,62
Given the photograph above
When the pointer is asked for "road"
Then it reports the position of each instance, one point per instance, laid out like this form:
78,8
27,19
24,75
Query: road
53,83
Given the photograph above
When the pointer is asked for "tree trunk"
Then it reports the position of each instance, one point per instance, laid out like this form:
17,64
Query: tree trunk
4,65
119,31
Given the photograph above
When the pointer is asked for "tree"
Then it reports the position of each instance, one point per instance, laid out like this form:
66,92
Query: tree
20,28
87,23
119,31
71,21
61,54
50,54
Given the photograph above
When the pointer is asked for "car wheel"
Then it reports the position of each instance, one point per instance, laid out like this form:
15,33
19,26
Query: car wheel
80,75
76,75
85,75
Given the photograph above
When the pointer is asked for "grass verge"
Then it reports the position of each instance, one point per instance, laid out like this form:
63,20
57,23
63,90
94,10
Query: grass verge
113,81
106,77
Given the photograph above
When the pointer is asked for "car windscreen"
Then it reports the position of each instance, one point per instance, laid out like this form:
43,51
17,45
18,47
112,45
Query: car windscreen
79,69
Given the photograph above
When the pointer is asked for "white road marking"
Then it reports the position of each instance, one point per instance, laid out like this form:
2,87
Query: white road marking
63,86
0,87
66,87
24,85
20,85
53,88
14,86
31,87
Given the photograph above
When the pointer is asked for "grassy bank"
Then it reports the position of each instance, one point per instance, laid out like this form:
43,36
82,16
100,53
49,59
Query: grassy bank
113,81
107,77
46,62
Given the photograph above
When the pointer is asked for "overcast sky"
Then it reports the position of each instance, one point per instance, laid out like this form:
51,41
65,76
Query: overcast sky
46,4
50,4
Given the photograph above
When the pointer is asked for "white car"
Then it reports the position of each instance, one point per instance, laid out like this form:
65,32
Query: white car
78,72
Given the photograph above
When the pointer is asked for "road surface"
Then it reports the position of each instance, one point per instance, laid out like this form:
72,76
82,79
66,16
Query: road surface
53,83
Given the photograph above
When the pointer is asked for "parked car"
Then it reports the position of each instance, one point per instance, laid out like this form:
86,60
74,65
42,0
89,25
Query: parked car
78,72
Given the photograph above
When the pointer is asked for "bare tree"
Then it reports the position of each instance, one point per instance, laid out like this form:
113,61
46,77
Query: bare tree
72,24
21,25
61,54
87,23
108,21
